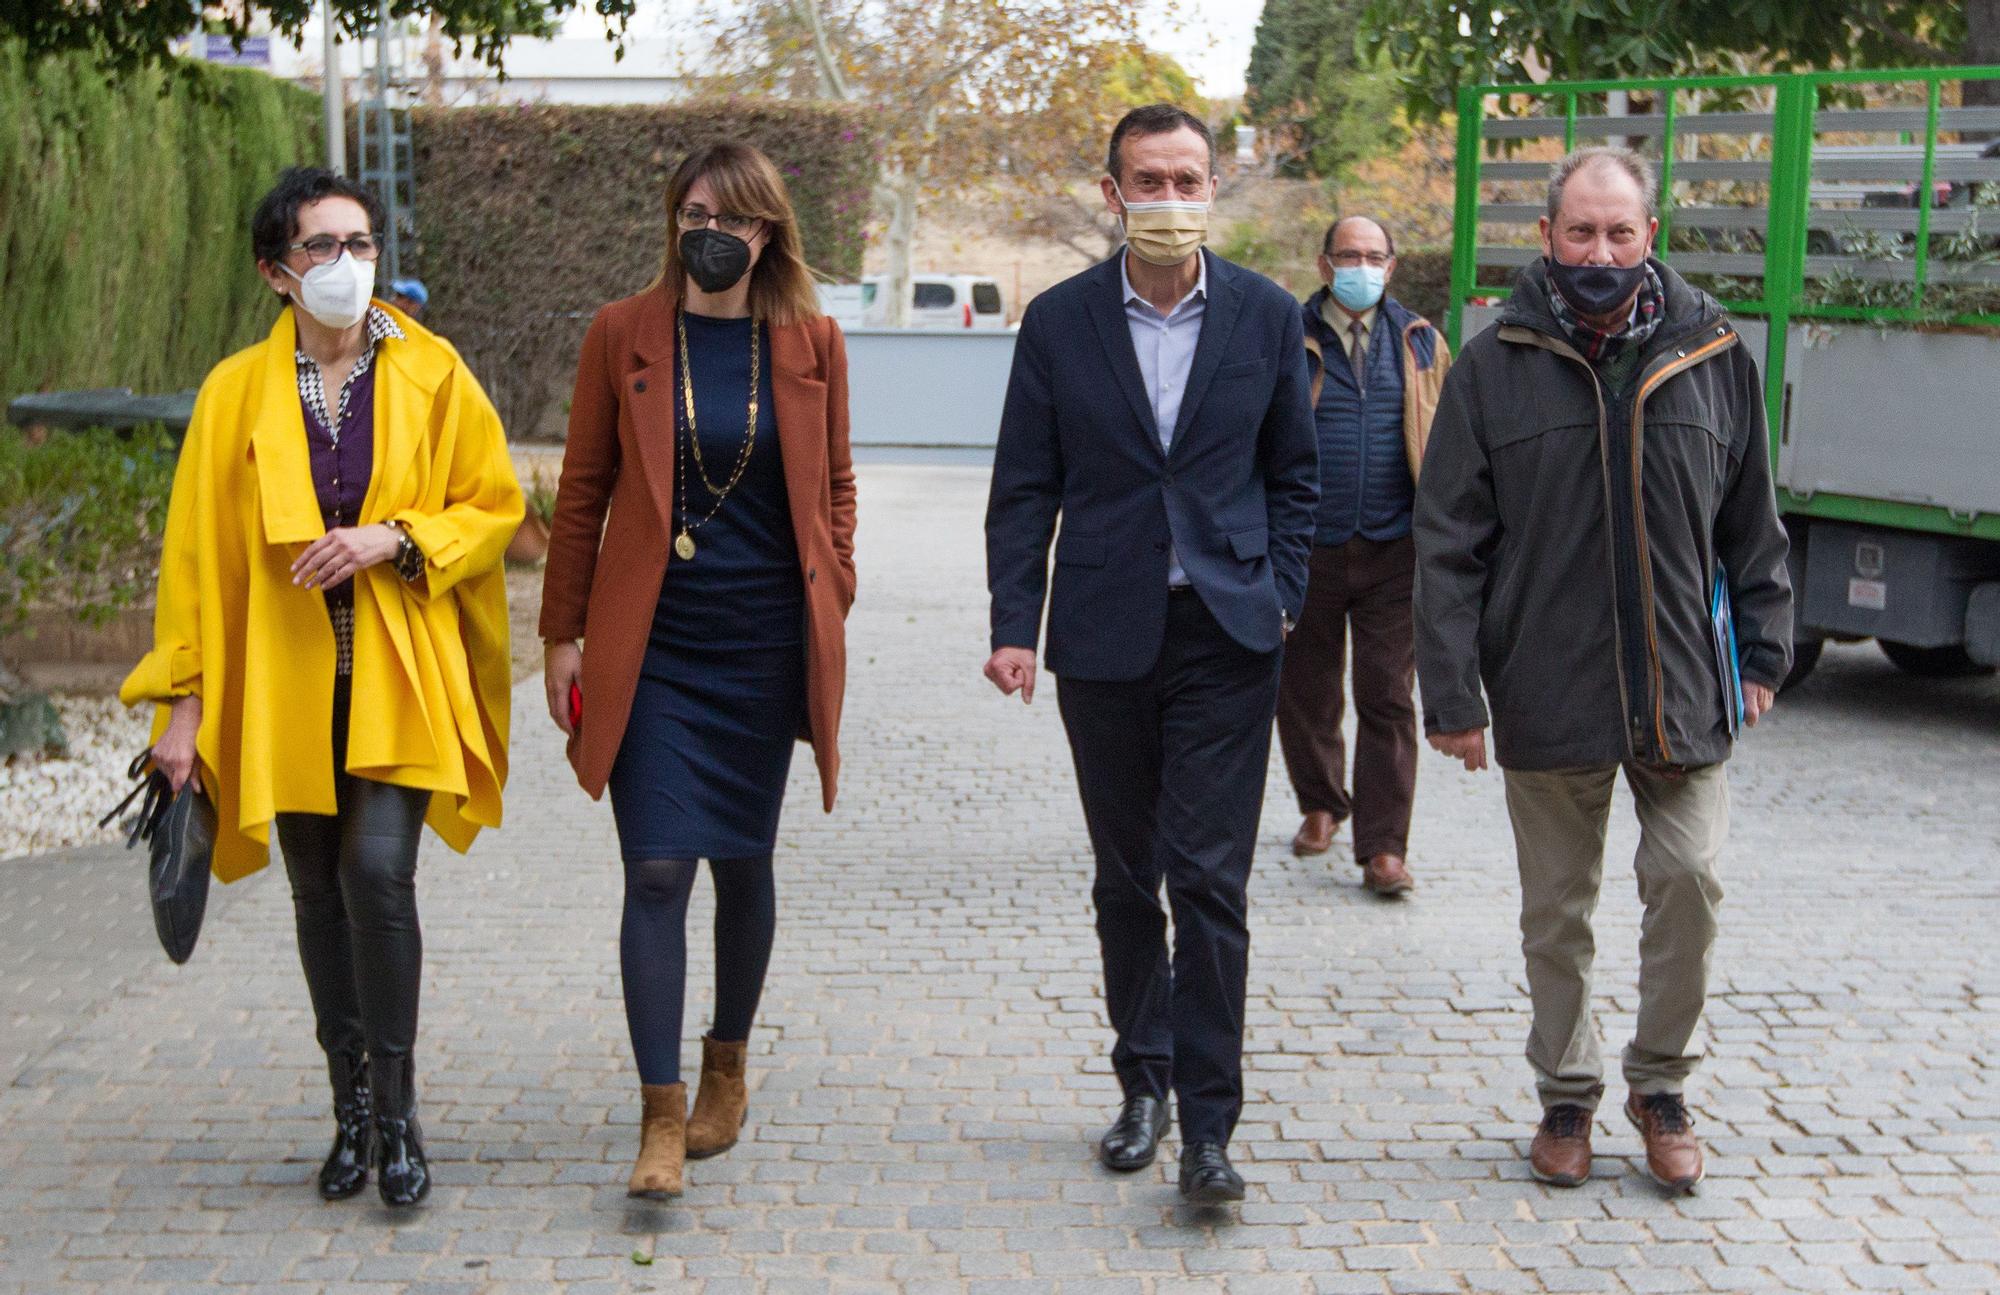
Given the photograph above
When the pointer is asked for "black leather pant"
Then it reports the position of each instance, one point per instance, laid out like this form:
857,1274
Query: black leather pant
354,894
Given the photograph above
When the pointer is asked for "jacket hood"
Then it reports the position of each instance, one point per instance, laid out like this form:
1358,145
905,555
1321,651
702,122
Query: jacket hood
1528,304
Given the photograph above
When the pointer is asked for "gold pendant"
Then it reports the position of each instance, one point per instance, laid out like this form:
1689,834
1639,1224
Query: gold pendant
684,545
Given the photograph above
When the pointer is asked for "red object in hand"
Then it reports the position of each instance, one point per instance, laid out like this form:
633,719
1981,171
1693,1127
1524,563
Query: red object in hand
575,706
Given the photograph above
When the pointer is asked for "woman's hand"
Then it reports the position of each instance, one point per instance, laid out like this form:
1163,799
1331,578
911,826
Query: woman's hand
338,554
173,754
562,669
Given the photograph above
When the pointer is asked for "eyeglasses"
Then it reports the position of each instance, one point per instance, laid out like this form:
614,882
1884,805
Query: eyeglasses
1351,259
730,222
325,248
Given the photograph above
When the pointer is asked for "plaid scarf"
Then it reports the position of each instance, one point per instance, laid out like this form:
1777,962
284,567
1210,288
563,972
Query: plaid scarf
1597,345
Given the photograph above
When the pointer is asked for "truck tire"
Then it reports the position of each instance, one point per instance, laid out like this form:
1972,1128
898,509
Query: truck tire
1948,662
1805,655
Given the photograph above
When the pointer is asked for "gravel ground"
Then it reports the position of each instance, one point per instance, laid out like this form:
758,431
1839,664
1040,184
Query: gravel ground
49,804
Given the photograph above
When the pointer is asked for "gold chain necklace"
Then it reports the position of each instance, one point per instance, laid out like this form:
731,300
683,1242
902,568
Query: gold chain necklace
684,542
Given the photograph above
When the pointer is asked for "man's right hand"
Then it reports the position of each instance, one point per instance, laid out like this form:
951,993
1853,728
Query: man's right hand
1012,668
1468,746
562,668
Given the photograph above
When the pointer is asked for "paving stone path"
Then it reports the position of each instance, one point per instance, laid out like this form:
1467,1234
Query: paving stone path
930,1071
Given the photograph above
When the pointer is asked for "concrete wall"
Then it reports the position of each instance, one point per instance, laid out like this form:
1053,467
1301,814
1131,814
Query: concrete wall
927,387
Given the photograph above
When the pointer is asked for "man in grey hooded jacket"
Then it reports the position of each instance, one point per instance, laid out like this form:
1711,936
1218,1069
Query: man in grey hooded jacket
1597,482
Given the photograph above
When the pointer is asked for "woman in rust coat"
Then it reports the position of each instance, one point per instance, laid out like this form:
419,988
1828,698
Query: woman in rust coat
703,551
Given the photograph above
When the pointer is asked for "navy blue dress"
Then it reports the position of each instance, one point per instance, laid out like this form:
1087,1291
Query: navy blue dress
721,698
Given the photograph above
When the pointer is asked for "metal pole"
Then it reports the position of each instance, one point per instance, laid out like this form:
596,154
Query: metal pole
336,99
386,132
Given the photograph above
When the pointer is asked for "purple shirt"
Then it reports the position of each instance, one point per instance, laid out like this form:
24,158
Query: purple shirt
343,464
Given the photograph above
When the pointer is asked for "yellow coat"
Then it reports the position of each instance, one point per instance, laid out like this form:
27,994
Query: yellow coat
432,674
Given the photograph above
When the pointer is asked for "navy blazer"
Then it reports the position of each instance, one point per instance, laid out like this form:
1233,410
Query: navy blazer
1234,495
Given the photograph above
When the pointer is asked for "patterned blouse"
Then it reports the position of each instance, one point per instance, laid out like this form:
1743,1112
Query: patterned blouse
342,449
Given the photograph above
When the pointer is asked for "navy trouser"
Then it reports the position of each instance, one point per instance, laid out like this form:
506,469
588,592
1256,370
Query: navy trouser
1171,772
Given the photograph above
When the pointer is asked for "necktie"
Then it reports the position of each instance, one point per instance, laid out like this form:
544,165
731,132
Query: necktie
1357,355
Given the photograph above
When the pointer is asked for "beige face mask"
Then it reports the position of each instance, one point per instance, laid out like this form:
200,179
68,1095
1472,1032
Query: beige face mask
1164,233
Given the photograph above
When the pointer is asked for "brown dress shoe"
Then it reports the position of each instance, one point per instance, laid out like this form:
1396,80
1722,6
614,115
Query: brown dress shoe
1560,1155
721,1104
1673,1155
1385,874
662,1141
1315,835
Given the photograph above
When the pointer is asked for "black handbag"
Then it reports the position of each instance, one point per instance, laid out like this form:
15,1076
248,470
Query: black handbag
180,828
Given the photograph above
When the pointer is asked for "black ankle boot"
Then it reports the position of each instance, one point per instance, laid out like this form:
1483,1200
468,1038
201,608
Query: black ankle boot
346,1169
402,1174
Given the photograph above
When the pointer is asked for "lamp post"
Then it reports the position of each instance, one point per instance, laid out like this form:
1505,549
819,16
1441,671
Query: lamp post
336,99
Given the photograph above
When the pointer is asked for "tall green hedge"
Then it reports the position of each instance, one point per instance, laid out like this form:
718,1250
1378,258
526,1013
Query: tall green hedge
531,217
124,218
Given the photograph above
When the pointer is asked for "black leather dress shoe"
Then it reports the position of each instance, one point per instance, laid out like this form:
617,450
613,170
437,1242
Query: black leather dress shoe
1134,1140
1206,1175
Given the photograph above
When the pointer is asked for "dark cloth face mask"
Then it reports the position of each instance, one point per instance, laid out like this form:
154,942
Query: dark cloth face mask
1596,290
714,260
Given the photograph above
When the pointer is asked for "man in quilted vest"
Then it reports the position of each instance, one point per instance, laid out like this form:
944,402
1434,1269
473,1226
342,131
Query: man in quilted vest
1376,370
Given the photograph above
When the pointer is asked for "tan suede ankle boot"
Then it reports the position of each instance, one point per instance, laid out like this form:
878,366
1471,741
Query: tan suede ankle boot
721,1104
662,1141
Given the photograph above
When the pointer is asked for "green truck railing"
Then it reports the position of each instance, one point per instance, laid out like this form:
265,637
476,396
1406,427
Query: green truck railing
1785,154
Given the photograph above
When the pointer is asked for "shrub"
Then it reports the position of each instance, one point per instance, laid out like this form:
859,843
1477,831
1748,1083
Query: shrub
531,217
126,254
81,516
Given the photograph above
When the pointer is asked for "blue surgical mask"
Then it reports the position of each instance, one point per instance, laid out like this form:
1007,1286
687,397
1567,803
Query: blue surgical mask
1358,287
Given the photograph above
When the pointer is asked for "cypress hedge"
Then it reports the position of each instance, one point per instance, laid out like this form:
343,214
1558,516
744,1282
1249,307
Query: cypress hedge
125,253
531,217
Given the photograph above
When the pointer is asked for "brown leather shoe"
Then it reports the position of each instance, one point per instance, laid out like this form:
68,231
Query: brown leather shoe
1673,1155
1560,1155
720,1105
1385,874
662,1141
1315,835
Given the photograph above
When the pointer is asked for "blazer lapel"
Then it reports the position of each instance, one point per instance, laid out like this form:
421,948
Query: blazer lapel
649,395
285,493
798,390
1218,322
1107,313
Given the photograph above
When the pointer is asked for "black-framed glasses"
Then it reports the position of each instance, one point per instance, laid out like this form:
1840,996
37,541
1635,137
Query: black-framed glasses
728,221
324,248
1350,259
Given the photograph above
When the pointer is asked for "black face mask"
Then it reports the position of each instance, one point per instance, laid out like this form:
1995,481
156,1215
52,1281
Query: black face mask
714,260
1596,290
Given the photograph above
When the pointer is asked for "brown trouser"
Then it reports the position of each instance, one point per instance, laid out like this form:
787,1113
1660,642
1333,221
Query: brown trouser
1559,825
1365,587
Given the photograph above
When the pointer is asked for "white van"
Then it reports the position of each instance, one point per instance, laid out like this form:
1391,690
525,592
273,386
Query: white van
939,301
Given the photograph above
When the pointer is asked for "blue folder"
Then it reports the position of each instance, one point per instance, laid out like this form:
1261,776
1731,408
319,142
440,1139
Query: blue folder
1728,667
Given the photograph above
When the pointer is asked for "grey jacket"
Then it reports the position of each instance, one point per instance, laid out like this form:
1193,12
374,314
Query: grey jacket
1517,562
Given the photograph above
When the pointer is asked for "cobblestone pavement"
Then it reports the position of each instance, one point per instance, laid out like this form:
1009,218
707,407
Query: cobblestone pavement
930,1069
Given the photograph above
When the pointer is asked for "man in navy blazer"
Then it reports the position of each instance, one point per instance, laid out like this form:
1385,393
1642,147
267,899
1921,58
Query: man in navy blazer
1158,406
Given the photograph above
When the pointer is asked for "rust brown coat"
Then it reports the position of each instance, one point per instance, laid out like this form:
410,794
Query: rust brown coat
618,484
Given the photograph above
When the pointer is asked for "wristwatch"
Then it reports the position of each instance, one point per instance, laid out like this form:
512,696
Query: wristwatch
409,559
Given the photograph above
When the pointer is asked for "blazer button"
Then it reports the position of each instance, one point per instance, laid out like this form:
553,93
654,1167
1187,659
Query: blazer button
1169,483
640,385
1160,547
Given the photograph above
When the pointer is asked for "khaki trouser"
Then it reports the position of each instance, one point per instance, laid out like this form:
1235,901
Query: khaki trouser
1559,825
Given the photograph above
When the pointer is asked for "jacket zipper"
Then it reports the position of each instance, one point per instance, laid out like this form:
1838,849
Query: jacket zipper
1627,719
1683,361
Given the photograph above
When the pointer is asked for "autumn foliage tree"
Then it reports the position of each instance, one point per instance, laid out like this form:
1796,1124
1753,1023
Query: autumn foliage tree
963,94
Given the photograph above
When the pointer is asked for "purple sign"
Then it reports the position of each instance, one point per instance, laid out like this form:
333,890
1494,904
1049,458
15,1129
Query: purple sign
256,51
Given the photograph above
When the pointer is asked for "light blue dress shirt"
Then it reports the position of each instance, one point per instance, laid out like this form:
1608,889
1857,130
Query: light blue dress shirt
1165,345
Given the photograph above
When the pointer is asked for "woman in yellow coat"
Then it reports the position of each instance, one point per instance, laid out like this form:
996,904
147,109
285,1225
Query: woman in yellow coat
333,550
